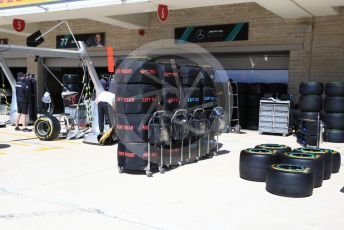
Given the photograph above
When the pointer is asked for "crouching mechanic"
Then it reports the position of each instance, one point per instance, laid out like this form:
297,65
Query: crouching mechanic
23,100
106,106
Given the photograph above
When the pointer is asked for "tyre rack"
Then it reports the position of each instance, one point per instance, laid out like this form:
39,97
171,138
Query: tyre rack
163,136
181,137
274,117
202,130
304,135
236,128
218,126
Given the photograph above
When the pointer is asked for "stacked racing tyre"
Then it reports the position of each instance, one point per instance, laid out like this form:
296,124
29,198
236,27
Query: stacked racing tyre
289,180
254,163
191,89
170,102
191,100
137,96
277,149
336,160
334,112
47,128
310,105
313,161
170,80
327,158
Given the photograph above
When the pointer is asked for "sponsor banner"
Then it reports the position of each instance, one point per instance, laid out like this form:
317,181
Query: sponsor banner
91,40
213,33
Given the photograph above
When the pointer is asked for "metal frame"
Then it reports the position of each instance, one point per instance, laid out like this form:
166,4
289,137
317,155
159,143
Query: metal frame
178,112
81,54
13,82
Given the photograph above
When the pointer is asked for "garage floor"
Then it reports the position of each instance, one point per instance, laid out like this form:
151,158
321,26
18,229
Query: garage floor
70,185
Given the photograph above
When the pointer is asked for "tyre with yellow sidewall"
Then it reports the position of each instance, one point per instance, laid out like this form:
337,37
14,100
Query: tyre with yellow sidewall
47,128
254,163
289,180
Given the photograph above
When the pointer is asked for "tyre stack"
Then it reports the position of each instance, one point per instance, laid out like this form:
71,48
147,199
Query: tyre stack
72,82
170,101
191,88
310,105
191,99
334,112
137,95
209,98
209,102
256,92
288,173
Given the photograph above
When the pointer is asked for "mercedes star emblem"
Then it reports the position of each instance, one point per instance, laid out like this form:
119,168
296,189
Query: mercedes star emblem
200,34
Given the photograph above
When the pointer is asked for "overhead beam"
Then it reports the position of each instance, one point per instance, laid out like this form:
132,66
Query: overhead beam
12,31
321,8
30,28
133,22
285,9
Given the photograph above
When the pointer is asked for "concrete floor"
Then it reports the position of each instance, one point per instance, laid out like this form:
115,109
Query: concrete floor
70,185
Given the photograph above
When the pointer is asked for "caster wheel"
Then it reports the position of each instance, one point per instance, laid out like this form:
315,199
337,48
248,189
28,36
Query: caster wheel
161,170
120,170
149,174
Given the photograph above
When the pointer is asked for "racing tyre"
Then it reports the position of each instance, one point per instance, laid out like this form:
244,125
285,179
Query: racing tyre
134,156
191,97
190,75
254,163
334,104
168,74
137,71
170,98
309,116
289,180
327,156
277,149
136,99
311,88
334,120
312,103
334,135
132,128
47,128
336,160
313,161
334,89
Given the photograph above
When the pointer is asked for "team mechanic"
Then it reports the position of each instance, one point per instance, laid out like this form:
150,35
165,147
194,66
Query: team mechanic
23,98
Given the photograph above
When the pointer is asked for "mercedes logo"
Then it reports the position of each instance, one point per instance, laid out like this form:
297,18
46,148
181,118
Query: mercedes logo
200,34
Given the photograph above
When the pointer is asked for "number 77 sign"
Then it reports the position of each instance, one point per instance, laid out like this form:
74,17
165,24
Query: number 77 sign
162,12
